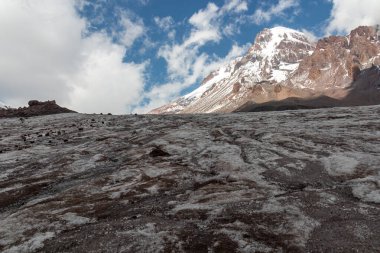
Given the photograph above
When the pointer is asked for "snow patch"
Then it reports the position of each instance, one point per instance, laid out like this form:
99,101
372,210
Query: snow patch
32,244
340,165
368,191
74,219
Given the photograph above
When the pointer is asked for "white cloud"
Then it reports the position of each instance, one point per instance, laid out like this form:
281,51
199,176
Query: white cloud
103,83
143,2
348,14
165,23
236,6
310,35
45,56
203,18
260,16
132,30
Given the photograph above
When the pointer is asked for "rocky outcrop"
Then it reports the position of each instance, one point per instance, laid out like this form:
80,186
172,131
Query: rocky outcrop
36,108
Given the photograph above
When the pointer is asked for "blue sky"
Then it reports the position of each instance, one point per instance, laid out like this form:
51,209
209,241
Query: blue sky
125,56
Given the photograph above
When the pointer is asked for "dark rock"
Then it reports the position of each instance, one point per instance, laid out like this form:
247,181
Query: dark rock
36,108
34,102
156,152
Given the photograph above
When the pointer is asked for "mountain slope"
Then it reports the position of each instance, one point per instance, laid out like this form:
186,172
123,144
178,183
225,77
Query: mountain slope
281,64
275,54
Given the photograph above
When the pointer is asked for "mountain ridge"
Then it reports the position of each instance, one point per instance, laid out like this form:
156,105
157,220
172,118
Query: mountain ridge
283,63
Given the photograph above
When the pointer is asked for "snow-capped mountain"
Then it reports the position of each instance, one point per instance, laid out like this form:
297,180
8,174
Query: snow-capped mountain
283,63
275,54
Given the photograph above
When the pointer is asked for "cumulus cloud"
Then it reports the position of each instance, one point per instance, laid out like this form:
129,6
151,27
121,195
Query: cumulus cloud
348,14
260,16
44,55
103,83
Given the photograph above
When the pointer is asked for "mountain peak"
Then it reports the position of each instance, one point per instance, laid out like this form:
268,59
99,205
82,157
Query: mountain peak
275,54
282,30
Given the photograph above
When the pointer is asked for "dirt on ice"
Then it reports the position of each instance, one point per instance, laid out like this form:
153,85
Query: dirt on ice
291,181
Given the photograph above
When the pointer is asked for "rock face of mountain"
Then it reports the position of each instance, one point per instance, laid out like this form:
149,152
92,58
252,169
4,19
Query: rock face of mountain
337,60
276,53
35,108
365,90
283,64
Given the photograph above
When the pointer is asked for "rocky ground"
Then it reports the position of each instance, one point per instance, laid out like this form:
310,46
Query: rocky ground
292,181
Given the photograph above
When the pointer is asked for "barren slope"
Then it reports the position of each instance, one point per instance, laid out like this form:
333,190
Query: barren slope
296,181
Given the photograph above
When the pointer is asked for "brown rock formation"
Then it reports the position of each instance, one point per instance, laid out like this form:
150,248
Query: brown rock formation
36,108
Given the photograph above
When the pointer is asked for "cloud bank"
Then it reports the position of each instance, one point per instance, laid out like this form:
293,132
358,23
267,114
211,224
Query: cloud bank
349,14
45,55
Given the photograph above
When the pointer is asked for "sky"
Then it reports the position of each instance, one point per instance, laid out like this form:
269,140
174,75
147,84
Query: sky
131,56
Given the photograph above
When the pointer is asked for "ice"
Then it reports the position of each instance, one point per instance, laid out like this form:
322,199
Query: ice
367,189
339,164
268,181
31,245
74,219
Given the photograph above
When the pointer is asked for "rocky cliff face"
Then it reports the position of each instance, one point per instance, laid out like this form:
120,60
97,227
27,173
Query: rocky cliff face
364,90
283,63
337,60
